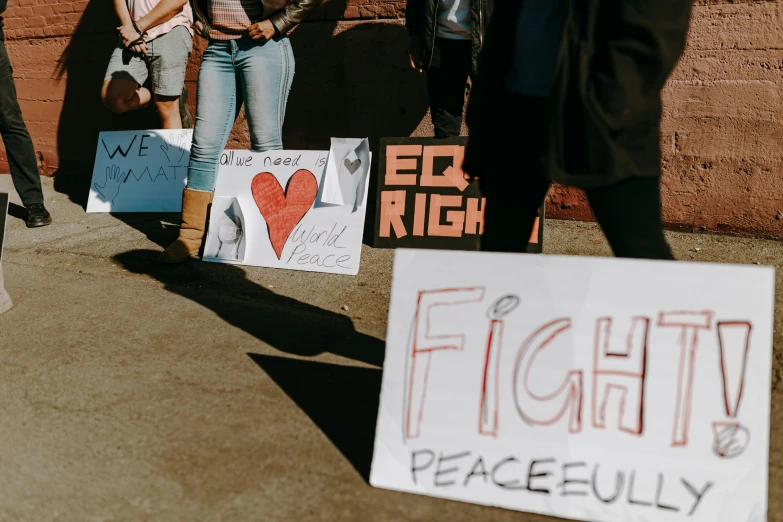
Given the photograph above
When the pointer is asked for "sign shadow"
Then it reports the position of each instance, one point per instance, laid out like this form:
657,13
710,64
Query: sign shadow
344,407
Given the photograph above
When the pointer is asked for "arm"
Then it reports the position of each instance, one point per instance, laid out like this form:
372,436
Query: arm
161,13
643,43
201,23
414,22
293,14
131,41
122,12
414,17
164,11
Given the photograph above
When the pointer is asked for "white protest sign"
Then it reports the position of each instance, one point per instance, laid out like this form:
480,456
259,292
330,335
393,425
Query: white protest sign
593,389
267,213
140,171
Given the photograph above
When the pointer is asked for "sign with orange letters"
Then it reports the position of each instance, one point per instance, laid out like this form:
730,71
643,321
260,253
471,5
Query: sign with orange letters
425,201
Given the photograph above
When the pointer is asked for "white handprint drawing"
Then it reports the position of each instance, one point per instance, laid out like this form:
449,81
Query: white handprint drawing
178,144
111,187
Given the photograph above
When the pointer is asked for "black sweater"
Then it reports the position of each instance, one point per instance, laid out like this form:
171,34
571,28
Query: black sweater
3,5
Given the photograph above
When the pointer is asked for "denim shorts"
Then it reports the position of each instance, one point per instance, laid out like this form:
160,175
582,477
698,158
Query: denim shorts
165,64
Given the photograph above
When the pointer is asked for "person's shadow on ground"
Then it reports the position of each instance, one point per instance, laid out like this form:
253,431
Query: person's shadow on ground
284,323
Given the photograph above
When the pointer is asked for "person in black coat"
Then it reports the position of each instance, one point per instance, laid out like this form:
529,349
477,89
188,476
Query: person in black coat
18,145
570,91
446,37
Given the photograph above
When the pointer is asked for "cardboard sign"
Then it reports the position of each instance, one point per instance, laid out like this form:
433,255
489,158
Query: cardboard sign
594,389
267,212
140,171
425,201
3,219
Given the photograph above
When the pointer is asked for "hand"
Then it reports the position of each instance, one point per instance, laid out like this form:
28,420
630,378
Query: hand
198,27
111,186
262,31
128,34
413,63
139,48
177,144
414,50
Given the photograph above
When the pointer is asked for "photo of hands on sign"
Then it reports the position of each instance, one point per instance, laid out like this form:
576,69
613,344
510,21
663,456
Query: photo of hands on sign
229,243
346,171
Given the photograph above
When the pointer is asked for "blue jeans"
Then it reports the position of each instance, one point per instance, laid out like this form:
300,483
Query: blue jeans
235,72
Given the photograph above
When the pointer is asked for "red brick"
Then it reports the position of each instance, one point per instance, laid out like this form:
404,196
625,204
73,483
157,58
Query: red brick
728,138
63,8
42,10
73,18
757,100
19,12
753,25
35,21
80,6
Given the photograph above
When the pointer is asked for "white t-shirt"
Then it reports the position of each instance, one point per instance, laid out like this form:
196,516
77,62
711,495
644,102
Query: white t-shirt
454,20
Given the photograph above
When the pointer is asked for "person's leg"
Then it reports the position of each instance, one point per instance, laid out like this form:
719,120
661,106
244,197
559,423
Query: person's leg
121,95
511,211
122,89
446,82
513,181
218,100
19,147
629,213
168,60
266,74
168,110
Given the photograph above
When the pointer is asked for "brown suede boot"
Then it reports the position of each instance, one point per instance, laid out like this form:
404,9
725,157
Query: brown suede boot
195,205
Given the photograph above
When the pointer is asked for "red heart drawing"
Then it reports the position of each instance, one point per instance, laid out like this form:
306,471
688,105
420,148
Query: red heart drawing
282,211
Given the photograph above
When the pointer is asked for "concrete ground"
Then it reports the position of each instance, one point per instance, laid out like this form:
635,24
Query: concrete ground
215,392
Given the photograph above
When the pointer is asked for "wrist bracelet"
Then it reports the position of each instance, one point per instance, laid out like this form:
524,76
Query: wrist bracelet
141,33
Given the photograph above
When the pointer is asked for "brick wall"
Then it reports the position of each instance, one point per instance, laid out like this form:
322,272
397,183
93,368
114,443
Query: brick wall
722,134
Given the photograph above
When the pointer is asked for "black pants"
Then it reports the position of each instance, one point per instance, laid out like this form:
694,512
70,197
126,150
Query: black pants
447,78
18,145
629,212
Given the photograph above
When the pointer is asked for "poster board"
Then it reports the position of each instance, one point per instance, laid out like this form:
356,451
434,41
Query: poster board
140,171
593,389
425,201
268,211
3,220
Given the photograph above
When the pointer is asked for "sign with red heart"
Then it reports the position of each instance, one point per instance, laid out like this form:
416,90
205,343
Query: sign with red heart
269,210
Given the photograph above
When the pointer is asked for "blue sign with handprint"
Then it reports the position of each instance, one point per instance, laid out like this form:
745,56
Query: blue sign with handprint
140,171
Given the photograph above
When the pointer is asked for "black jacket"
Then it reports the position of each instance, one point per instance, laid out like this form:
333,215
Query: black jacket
421,18
3,6
604,110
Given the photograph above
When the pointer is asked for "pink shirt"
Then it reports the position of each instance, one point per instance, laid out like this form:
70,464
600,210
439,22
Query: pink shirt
139,8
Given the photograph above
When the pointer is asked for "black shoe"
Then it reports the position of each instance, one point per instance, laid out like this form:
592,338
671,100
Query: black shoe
184,113
38,216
